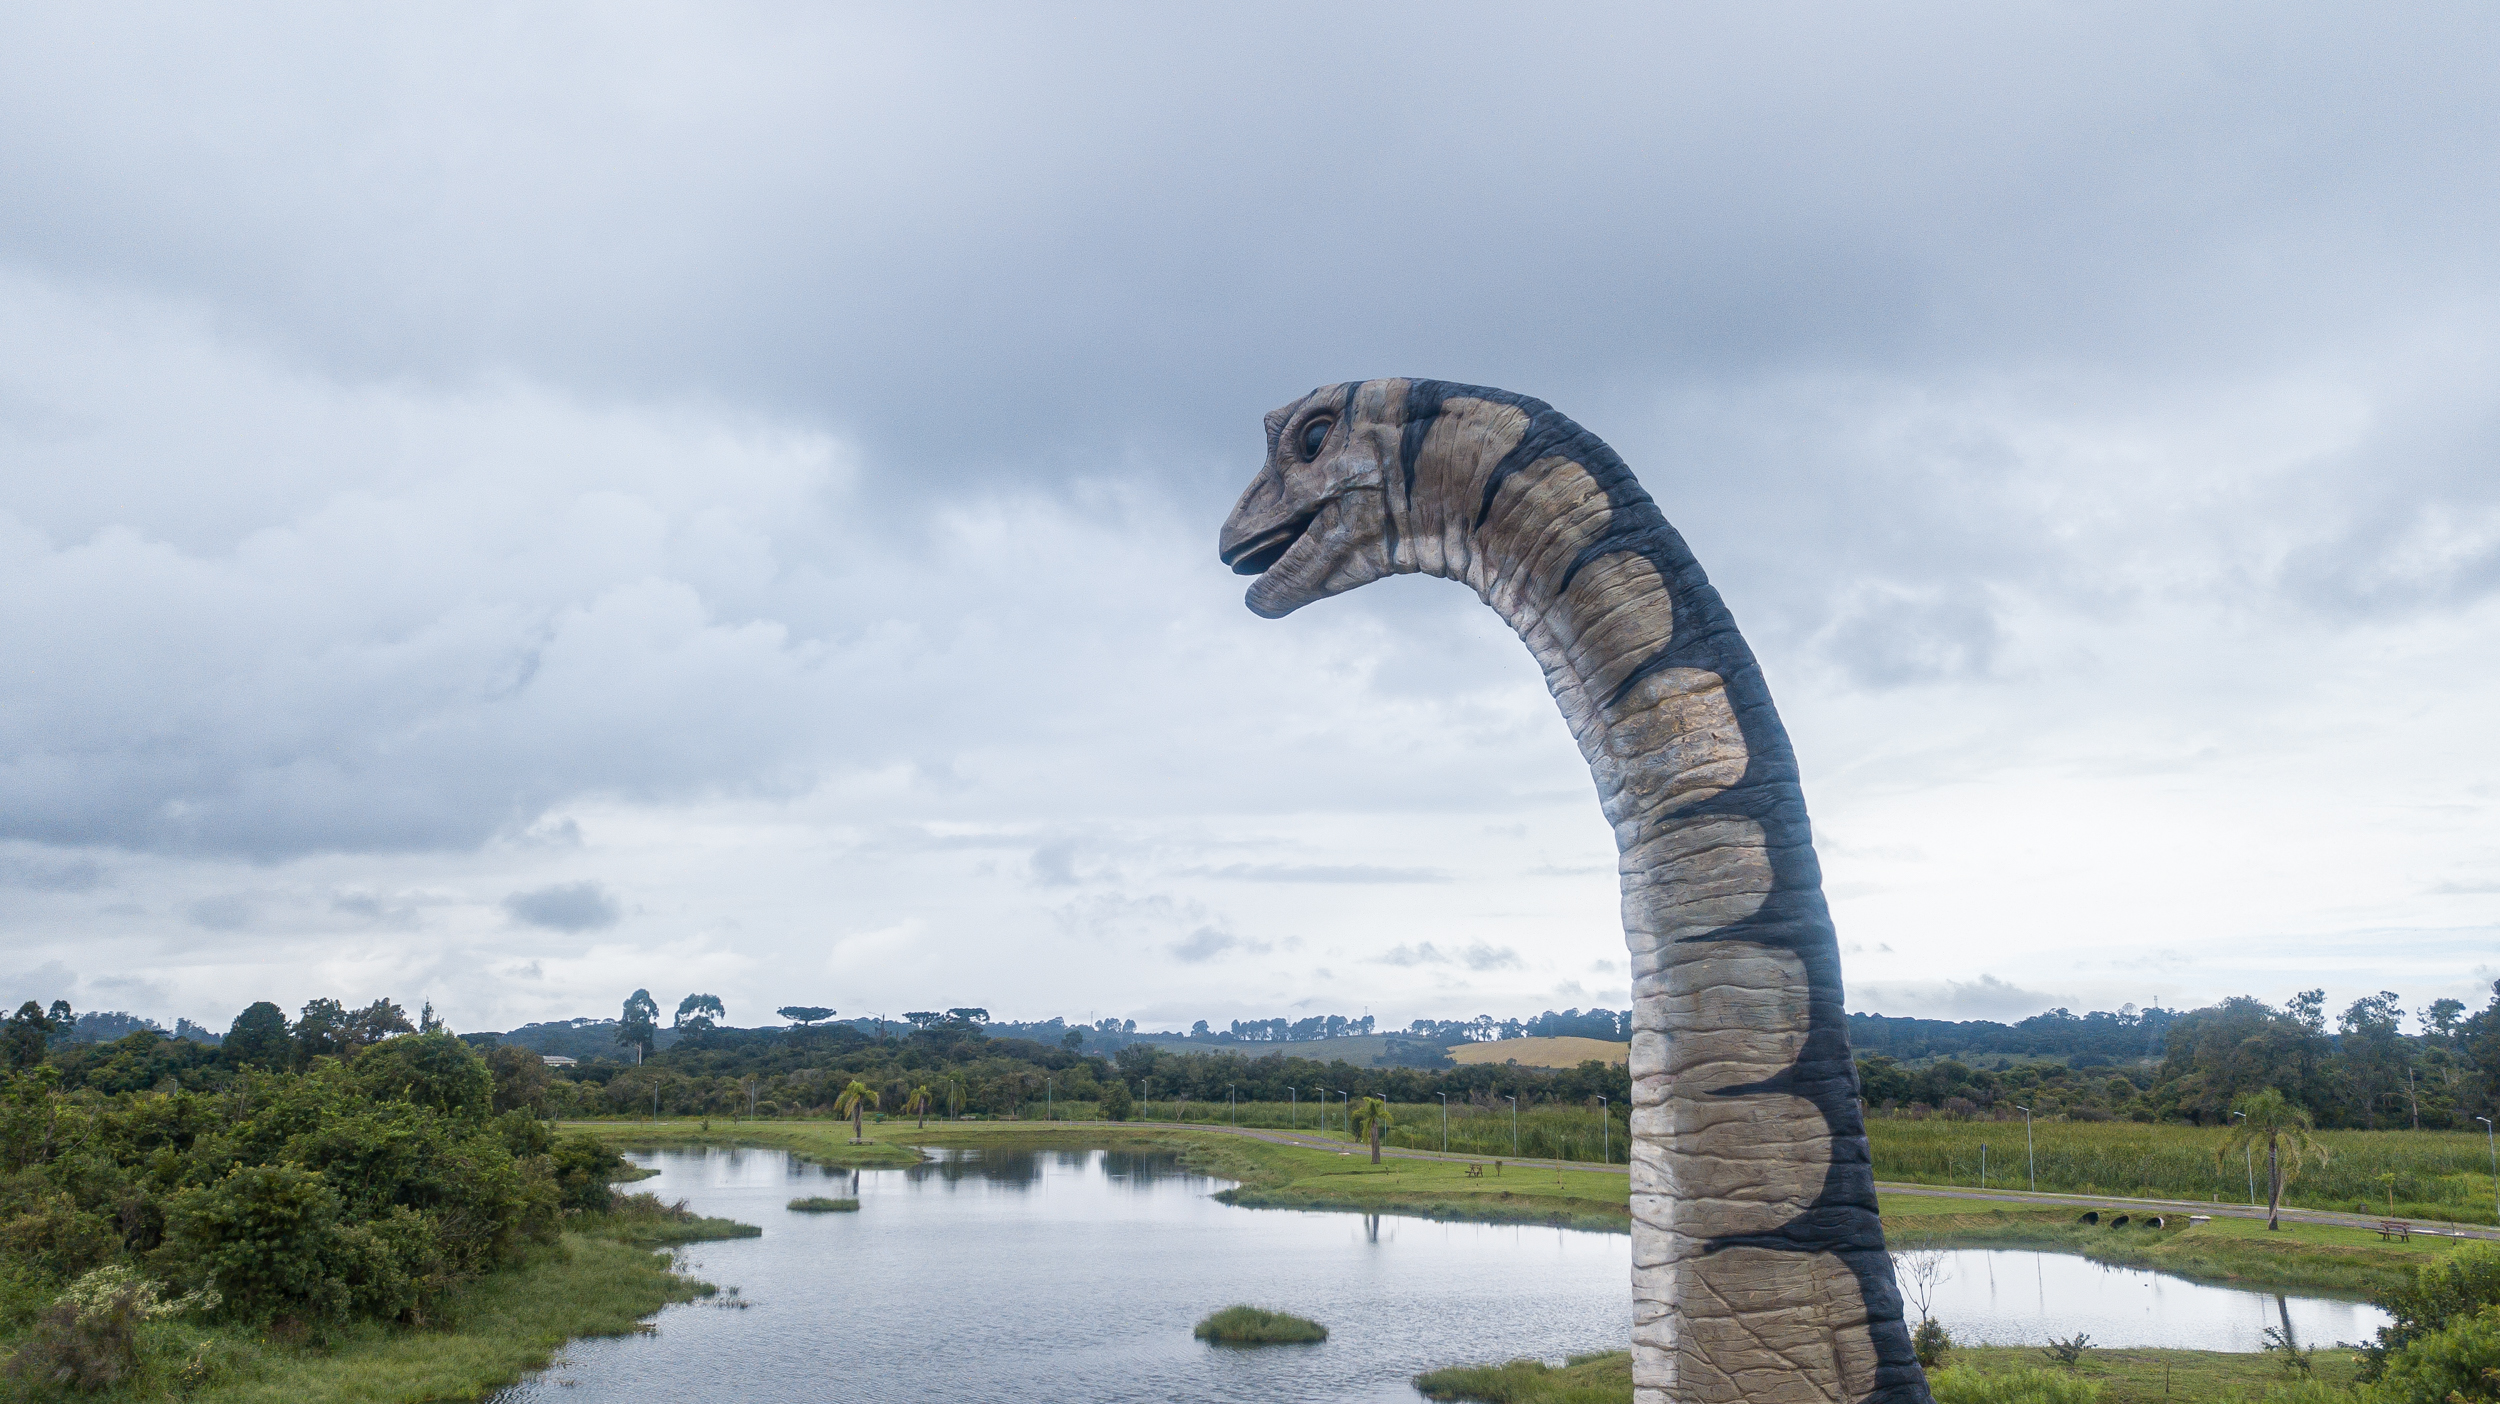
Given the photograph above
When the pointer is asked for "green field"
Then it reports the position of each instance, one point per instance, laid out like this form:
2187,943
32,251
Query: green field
2438,1174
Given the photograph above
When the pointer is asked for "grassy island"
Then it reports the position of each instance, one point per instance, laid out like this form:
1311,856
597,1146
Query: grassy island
819,1204
1249,1325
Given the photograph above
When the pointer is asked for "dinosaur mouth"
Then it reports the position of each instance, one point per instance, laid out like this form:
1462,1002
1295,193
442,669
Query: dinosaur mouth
1254,556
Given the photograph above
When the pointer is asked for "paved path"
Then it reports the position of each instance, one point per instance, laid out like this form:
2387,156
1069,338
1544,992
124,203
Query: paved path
1309,1140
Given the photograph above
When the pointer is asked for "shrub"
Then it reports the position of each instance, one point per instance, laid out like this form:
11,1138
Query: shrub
89,1338
1249,1325
435,1071
583,1169
1963,1385
2447,1291
262,1237
2068,1353
1116,1104
818,1204
2459,1364
1931,1342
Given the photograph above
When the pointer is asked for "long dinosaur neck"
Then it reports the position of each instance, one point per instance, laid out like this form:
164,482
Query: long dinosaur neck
1752,1192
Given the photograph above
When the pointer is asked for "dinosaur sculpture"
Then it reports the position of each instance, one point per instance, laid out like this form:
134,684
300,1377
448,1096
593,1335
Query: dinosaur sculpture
1758,1265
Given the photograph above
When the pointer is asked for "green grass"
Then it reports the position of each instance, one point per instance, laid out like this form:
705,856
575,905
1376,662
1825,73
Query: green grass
1584,1379
645,1222
2118,1376
818,1204
1249,1325
2312,1258
2439,1174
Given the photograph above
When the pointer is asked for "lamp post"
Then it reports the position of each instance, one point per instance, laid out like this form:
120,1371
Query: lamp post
1050,1099
2031,1164
1293,1108
2249,1154
2494,1148
1514,1128
1605,1133
1232,1104
1445,1121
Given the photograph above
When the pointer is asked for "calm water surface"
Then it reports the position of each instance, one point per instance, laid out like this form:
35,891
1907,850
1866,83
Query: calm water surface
1076,1275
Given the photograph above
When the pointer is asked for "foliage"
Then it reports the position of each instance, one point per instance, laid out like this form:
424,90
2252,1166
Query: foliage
805,1013
1962,1384
2446,1292
1584,1379
819,1204
2459,1364
700,1013
583,1167
260,1037
2068,1352
1931,1342
1249,1325
2285,1130
638,1025
1115,1102
2297,1359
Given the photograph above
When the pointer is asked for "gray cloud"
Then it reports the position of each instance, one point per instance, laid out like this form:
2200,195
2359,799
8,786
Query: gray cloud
1321,872
1984,998
830,476
573,906
1207,942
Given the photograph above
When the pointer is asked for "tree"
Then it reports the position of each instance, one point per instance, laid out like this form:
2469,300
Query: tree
28,1032
699,1013
321,1032
1371,1114
378,1021
640,1023
2286,1131
521,1079
919,1103
259,1037
804,1014
1072,1040
854,1103
1116,1105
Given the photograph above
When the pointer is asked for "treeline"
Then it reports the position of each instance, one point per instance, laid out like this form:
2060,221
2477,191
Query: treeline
967,1070
2364,1072
2086,1040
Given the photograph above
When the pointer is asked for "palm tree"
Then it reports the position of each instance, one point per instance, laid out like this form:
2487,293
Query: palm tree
854,1103
2286,1131
921,1100
1373,1113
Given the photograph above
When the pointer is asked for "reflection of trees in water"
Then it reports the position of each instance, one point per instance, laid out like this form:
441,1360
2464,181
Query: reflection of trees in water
1022,1168
1142,1168
1018,1169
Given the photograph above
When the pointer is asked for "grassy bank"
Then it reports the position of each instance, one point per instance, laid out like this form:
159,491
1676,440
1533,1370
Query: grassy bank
2437,1174
600,1280
2235,1252
817,1142
2123,1376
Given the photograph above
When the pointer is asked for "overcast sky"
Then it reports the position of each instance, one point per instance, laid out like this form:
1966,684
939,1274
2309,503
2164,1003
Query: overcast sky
508,505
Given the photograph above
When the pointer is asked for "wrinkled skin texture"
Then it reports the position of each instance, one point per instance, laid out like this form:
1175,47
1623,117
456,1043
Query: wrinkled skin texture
1758,1265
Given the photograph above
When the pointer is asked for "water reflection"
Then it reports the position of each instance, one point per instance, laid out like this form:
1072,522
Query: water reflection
1047,1273
1056,1274
2014,1298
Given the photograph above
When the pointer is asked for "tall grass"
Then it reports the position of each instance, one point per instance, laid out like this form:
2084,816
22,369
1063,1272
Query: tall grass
1545,1133
2438,1174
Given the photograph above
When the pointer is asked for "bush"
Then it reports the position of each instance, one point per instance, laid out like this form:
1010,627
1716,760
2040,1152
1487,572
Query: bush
1249,1325
1963,1385
1931,1342
89,1338
1116,1104
262,1238
584,1166
2453,1289
2459,1364
818,1204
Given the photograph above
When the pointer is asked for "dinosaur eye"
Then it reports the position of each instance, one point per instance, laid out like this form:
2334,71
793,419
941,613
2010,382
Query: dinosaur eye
1314,434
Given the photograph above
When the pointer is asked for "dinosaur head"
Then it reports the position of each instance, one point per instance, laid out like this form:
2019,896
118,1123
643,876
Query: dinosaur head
1315,522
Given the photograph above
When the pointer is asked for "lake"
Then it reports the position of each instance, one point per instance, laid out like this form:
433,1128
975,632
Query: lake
1077,1274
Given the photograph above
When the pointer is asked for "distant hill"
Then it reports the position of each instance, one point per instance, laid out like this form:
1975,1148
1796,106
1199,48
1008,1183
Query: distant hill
1543,1052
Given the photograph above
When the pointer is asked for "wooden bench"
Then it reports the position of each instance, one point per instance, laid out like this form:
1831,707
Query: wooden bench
2396,1229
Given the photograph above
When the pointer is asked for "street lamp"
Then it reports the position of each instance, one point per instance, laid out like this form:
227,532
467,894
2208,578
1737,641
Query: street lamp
1293,1108
2030,1164
1605,1134
1050,1099
1514,1128
2494,1148
2249,1154
1445,1121
1232,1102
